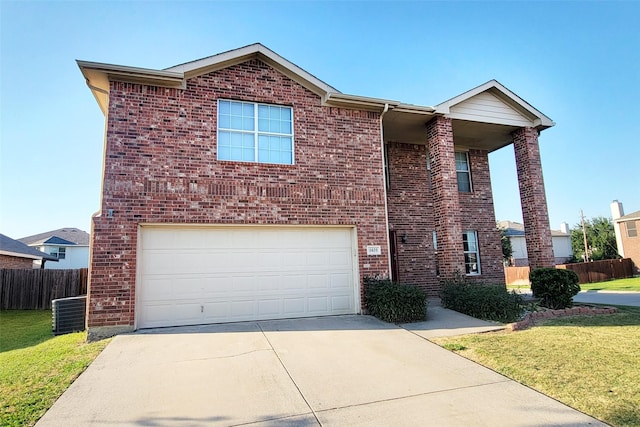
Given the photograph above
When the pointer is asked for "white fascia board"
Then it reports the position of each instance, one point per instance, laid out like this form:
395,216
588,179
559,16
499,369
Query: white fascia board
508,96
336,99
97,75
414,109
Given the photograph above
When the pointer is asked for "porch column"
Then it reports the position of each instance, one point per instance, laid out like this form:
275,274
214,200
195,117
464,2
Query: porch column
533,198
446,204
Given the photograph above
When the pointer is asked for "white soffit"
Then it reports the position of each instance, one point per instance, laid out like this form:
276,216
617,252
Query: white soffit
494,103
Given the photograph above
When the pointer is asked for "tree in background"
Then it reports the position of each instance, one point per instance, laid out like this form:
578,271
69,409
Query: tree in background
601,239
507,249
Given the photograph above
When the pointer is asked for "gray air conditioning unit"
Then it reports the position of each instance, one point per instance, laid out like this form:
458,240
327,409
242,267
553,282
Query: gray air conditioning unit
69,314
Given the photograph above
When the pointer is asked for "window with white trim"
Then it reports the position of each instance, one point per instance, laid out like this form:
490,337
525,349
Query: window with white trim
632,231
60,252
463,172
253,132
471,252
435,253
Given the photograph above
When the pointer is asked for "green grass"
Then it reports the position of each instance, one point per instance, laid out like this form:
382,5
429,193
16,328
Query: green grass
630,284
588,362
36,367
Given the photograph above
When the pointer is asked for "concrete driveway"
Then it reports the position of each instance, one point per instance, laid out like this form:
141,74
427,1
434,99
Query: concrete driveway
332,371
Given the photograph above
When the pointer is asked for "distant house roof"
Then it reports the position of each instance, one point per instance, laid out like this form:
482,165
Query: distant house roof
11,247
62,236
629,217
517,229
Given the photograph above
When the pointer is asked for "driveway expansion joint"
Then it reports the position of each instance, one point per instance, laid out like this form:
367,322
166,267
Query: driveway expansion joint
289,375
409,396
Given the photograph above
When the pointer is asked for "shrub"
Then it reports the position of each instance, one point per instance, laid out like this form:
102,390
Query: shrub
394,302
555,288
488,302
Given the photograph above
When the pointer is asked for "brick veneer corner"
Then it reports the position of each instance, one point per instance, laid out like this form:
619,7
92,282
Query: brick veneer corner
533,198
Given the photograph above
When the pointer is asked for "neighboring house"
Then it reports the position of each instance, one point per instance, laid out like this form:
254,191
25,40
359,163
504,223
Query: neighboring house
15,254
627,229
562,250
69,245
241,187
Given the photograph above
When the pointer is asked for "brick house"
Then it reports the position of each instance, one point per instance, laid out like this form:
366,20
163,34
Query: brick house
241,187
627,230
16,255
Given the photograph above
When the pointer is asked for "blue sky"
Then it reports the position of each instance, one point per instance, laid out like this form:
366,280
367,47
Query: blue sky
578,62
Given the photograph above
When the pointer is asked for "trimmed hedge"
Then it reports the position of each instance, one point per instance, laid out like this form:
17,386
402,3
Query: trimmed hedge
394,302
488,302
555,287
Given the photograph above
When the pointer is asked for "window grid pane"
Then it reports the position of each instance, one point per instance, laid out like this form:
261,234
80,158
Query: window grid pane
463,172
471,253
255,132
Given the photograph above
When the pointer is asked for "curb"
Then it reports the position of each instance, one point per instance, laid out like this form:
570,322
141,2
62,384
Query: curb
530,319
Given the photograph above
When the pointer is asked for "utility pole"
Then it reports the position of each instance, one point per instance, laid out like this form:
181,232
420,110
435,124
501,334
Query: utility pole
584,235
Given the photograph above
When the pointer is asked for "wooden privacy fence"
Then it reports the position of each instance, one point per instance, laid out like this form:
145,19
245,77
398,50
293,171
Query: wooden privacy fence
516,275
588,272
599,271
35,288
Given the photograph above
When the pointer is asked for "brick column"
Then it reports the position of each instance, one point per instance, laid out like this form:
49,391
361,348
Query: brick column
446,204
533,198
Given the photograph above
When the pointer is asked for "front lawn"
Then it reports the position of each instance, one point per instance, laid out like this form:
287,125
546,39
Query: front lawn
36,367
630,284
588,362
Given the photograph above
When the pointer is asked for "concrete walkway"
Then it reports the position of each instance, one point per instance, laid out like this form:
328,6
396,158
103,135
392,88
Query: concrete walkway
331,371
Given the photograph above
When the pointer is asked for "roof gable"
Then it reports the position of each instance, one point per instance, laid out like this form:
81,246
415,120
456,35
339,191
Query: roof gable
62,236
246,53
494,103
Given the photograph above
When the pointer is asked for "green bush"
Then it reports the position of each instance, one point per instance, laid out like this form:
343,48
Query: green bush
555,288
394,302
488,302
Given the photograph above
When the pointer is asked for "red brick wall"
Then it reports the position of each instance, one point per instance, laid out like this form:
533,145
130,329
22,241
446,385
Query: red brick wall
161,167
478,214
446,202
410,204
533,198
7,261
631,245
419,202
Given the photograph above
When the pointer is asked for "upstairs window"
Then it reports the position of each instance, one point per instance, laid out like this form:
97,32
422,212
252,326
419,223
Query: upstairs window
60,252
463,172
632,231
252,132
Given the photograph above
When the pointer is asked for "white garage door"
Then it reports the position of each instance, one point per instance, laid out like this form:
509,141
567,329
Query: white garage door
191,276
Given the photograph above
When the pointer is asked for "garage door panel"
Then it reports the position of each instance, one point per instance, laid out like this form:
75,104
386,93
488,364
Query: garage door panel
243,309
340,281
293,281
340,258
206,275
319,304
318,281
341,303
